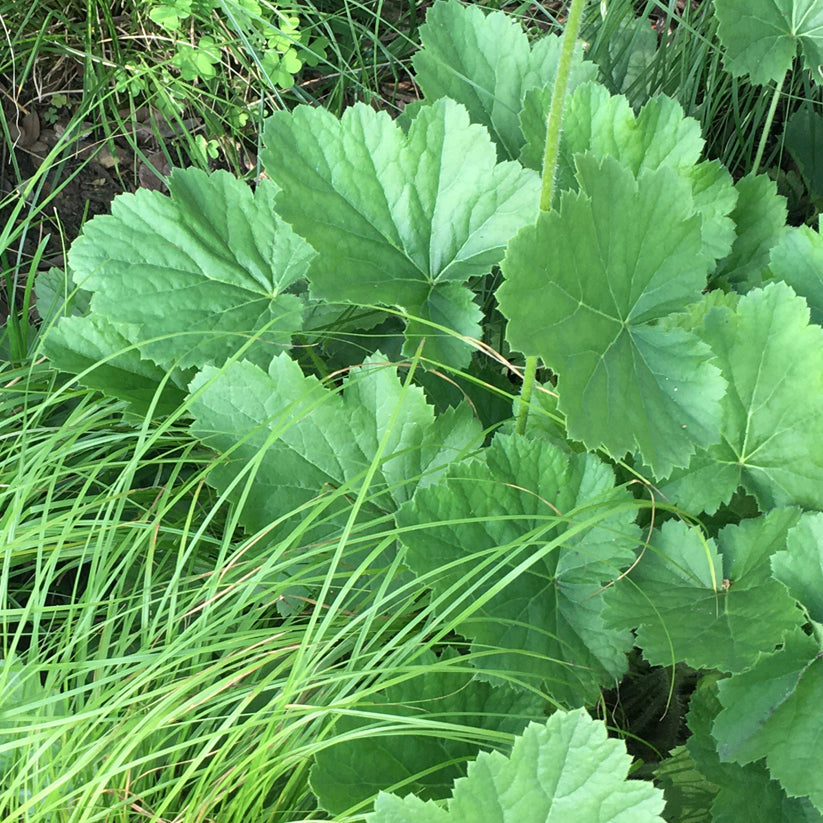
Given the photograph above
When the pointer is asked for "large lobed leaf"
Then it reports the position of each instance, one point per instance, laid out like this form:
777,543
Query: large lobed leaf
521,540
604,125
203,268
400,220
772,711
736,609
743,792
804,140
800,566
485,61
365,762
564,771
688,793
761,37
584,290
105,357
772,415
180,281
798,260
312,442
760,222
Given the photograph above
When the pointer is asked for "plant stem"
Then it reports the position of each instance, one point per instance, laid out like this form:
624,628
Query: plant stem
555,119
768,124
526,394
561,82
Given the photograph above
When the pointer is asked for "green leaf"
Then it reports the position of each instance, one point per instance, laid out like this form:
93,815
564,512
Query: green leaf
201,273
313,443
688,793
772,415
800,567
736,610
760,221
804,140
533,117
102,355
773,711
280,67
567,770
605,125
448,307
200,62
366,761
523,537
714,198
585,288
798,260
485,61
399,220
170,15
627,61
58,296
761,37
743,792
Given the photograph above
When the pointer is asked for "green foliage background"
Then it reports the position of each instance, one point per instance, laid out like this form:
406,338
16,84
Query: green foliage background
276,547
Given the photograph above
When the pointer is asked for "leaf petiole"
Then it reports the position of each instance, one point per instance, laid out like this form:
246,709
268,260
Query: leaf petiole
767,126
553,125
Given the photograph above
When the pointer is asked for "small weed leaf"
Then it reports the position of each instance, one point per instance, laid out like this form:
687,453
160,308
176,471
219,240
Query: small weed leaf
170,16
200,62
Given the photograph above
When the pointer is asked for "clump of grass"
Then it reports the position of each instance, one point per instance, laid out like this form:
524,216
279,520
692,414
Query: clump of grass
155,659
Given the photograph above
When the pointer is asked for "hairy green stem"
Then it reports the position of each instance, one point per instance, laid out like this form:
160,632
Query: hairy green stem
553,124
767,127
561,82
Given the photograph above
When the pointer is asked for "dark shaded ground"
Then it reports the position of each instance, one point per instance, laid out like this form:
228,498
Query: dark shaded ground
81,178
73,189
